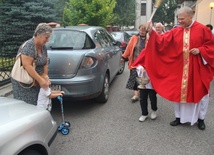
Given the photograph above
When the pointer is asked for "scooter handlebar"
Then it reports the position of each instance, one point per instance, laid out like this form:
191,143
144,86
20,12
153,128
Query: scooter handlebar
59,98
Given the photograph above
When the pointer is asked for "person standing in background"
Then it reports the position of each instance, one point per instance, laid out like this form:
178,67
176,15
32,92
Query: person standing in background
210,27
133,49
159,28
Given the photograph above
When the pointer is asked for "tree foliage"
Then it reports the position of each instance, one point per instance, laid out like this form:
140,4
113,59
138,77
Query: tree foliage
91,12
165,12
59,10
18,19
2,1
125,12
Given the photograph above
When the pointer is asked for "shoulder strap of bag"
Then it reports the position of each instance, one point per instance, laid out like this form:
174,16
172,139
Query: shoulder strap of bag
34,65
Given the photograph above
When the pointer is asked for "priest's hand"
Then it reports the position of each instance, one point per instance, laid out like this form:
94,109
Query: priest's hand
194,51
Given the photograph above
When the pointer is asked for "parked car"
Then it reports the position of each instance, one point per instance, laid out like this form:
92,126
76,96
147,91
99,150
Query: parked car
25,129
83,60
132,32
122,37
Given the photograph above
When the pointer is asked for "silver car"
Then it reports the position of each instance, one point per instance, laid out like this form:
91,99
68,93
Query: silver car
132,32
25,129
122,37
83,60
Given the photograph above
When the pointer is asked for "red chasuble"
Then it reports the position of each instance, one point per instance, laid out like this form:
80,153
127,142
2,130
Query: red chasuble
176,74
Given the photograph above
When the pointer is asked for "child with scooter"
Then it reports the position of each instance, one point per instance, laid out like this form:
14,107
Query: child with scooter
45,96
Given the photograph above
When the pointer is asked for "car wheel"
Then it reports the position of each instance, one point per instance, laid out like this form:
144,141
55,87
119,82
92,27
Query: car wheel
103,97
30,152
122,67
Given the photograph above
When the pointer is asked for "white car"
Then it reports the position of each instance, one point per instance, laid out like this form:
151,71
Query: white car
25,129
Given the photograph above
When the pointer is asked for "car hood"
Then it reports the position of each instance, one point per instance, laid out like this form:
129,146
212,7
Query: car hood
12,109
64,64
23,123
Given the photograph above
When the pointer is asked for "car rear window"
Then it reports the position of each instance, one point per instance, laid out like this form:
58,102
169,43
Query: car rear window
69,39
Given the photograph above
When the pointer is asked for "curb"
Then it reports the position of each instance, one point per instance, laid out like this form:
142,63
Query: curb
6,90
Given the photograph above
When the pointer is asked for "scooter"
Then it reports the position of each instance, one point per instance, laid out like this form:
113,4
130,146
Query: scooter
64,128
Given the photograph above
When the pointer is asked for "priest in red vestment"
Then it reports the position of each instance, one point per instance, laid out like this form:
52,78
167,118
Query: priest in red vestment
180,64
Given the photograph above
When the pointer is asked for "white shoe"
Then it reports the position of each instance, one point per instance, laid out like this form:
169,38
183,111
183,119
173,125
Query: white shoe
153,115
134,98
142,118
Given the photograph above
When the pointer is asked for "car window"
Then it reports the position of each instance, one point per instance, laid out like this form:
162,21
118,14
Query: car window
110,39
127,36
117,36
70,39
107,39
133,32
101,38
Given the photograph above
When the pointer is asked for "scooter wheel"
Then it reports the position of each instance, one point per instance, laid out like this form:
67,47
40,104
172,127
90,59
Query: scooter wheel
65,131
60,127
67,124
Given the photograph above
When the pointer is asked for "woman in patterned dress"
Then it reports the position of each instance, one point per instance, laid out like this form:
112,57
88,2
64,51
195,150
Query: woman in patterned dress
34,49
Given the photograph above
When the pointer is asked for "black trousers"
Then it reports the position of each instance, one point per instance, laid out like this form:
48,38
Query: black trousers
144,94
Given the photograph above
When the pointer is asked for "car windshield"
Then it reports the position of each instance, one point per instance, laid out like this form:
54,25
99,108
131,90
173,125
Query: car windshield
69,39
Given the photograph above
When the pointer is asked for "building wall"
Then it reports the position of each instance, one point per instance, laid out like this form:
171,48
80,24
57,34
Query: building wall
191,4
142,19
203,12
137,13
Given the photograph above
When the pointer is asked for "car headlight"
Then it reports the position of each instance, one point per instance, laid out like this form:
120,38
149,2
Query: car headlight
88,62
